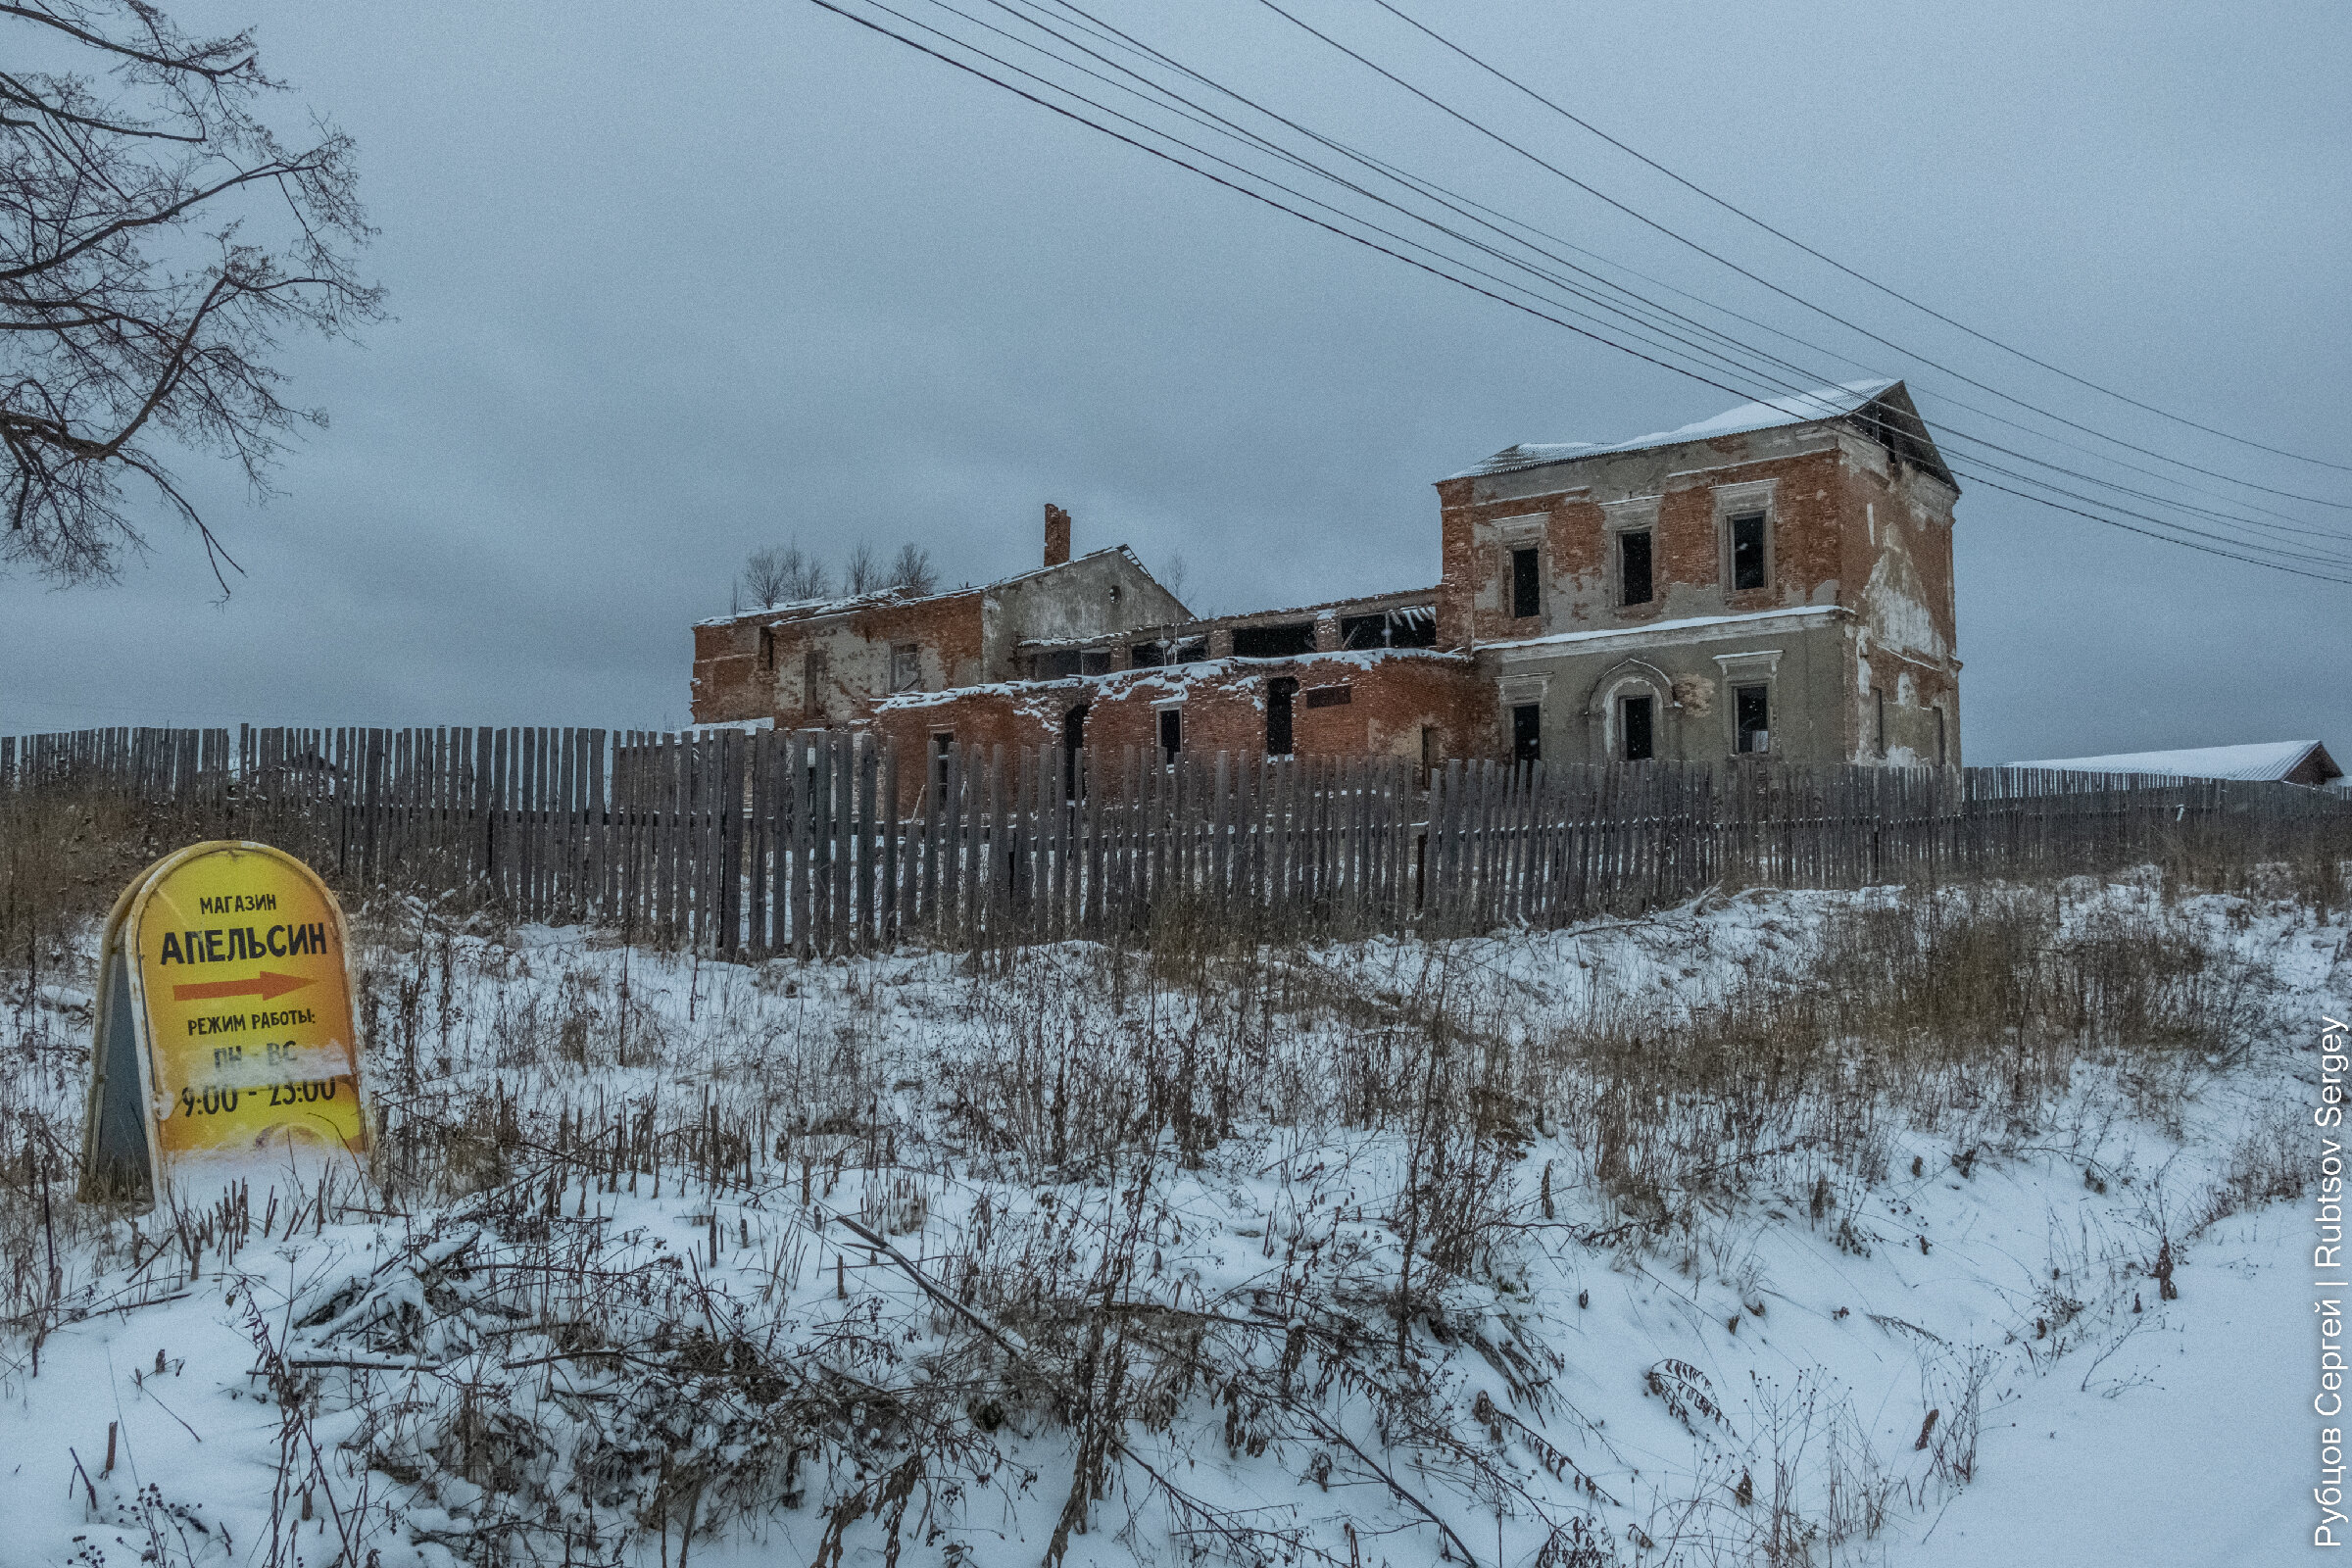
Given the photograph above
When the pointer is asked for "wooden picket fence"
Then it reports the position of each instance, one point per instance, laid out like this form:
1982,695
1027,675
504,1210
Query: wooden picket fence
756,843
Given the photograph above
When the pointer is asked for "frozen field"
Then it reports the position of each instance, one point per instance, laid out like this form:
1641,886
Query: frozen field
1794,1228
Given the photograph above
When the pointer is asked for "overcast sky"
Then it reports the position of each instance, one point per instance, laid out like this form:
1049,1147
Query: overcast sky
671,284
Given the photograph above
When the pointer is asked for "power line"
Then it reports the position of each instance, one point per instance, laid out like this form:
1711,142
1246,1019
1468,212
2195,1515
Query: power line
1507,299
965,44
1755,278
2296,572
1225,126
1467,207
1052,107
1832,261
1208,119
1646,312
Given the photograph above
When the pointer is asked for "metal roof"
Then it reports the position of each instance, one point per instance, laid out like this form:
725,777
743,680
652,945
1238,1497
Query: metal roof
1799,408
2259,759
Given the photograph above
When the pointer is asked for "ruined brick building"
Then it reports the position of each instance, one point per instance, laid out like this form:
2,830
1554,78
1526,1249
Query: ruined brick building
1777,581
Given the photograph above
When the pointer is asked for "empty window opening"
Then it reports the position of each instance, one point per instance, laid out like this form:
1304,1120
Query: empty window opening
1751,712
1171,733
1286,641
1527,733
1054,663
767,649
1331,697
1747,551
1527,586
1413,626
906,667
1073,741
1190,653
816,670
1641,741
1632,560
1878,702
1279,695
1145,656
1095,662
943,747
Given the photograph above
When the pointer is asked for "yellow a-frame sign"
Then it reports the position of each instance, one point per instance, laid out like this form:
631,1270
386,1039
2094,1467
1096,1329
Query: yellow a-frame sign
225,1033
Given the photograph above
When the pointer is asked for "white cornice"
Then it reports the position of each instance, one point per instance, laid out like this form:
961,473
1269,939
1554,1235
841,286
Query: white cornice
1668,633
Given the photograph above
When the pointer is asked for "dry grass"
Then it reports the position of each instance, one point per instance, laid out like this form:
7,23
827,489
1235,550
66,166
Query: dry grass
589,1393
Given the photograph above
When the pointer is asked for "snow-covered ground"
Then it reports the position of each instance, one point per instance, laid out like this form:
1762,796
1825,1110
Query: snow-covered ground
2195,1442
926,1259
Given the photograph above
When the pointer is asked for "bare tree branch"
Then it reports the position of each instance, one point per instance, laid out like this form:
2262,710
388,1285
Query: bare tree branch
144,289
912,570
864,573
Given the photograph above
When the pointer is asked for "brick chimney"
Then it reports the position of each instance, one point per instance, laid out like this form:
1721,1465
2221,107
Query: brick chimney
1058,535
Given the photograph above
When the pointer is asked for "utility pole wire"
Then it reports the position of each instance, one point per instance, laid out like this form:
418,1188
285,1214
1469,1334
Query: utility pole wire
1832,261
1507,226
1794,393
1757,278
1808,378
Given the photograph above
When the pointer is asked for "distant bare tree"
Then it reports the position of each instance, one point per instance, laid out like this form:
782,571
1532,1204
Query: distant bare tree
805,576
157,245
764,576
912,570
1172,579
865,574
785,576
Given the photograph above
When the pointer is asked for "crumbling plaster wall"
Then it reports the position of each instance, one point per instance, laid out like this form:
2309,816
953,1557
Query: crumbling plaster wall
830,669
1898,547
833,667
840,666
1802,662
1097,595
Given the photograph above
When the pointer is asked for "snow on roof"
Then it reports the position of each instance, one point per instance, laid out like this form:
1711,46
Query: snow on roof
1404,614
1668,628
1172,680
1799,408
812,608
815,608
2260,759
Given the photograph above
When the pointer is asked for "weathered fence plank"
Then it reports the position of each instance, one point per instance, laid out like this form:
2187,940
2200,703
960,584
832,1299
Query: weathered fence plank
770,842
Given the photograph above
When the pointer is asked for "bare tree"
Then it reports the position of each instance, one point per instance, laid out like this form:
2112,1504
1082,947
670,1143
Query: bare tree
912,570
1173,577
157,245
865,574
785,575
764,576
805,576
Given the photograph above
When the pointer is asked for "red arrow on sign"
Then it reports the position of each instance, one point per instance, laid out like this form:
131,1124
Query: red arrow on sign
264,985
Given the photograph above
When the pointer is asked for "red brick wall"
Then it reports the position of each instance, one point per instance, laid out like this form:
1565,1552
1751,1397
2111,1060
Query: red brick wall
1808,548
1392,696
1457,569
725,684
